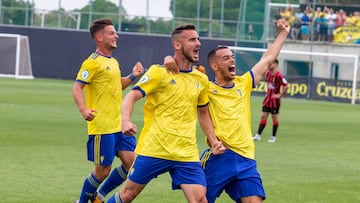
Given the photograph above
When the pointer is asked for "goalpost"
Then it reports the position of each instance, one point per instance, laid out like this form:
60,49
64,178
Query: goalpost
15,56
353,57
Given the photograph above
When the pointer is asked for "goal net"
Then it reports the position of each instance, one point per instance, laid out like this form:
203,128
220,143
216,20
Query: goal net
311,75
15,56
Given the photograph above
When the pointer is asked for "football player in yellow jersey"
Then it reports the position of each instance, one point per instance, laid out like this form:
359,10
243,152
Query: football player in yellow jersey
100,78
167,141
229,103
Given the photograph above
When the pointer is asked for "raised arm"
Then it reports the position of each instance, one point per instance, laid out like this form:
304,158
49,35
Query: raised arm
272,53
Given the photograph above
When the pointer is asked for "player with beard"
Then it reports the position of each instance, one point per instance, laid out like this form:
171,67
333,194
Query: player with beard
167,142
98,95
235,171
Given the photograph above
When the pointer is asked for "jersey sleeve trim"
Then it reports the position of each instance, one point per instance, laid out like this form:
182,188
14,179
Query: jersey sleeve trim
200,106
83,82
139,89
252,77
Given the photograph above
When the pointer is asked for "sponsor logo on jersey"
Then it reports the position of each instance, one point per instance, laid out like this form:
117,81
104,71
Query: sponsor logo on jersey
144,79
85,74
172,82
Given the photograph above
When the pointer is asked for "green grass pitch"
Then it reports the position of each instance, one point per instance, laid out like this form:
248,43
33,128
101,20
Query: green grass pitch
316,158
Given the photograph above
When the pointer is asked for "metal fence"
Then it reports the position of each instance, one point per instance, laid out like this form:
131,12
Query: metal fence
239,29
60,19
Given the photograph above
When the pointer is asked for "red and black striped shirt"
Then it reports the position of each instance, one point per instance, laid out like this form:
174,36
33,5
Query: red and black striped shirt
274,82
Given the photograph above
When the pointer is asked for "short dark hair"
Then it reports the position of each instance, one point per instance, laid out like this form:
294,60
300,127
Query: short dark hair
181,28
212,53
99,24
276,61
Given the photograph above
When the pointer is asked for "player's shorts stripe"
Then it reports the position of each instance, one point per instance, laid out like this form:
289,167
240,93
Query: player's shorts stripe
204,157
97,149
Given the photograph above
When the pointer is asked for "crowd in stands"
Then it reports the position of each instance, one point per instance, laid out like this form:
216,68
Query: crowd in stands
317,24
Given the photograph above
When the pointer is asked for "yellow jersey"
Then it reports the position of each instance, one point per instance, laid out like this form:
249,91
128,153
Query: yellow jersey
231,114
103,92
170,113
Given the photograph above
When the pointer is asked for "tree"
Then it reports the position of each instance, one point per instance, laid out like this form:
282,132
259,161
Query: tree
229,25
99,9
16,12
94,10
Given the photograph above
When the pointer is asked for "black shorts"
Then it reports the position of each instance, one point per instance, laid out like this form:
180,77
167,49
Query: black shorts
274,110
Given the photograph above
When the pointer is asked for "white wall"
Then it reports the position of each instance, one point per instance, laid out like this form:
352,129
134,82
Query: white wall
322,64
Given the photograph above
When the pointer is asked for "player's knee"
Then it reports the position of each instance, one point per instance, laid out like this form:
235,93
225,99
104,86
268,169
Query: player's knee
264,117
251,199
200,196
127,195
127,198
211,199
127,159
263,121
276,123
199,199
127,164
203,199
102,172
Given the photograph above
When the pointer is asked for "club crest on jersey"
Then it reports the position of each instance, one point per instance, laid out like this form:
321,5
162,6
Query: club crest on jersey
271,86
84,74
144,79
197,85
239,92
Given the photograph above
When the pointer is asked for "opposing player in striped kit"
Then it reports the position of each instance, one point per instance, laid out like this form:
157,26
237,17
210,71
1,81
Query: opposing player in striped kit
275,80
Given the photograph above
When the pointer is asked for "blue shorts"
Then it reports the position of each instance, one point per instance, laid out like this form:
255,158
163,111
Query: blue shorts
304,29
145,168
233,173
102,149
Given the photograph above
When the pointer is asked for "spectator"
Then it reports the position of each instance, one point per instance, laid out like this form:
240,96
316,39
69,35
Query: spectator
323,27
331,25
316,22
298,13
340,18
305,20
309,11
349,20
295,29
356,18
